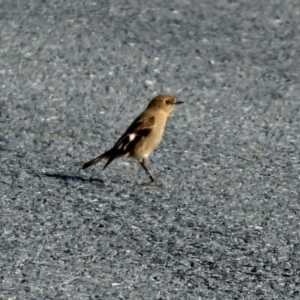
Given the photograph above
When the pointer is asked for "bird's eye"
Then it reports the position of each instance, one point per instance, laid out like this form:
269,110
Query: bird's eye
167,101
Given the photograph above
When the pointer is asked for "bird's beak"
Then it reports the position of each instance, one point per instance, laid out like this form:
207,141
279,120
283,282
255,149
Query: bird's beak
179,102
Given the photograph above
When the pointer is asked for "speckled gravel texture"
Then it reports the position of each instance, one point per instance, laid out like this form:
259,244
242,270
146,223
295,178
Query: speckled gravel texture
224,220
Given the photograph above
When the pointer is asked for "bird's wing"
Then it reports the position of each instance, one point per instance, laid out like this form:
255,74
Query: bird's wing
139,129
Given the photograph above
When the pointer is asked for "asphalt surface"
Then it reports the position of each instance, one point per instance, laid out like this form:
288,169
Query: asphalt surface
223,222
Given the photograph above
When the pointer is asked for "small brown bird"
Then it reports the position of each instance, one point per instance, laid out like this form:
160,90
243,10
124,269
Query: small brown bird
142,136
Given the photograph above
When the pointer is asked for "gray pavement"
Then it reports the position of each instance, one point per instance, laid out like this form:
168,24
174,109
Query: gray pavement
224,221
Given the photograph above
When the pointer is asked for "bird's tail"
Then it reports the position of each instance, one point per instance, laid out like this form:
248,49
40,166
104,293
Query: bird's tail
96,160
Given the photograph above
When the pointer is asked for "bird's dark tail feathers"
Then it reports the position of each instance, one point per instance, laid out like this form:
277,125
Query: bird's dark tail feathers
96,160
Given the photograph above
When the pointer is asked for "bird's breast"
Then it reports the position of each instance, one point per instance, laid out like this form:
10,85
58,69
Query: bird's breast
149,143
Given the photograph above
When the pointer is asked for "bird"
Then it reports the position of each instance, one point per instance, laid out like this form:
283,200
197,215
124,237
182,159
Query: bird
142,136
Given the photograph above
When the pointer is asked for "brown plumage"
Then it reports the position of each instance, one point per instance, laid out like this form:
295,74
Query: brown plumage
142,136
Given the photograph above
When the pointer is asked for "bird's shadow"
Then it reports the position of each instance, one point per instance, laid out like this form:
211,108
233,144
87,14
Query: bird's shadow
66,177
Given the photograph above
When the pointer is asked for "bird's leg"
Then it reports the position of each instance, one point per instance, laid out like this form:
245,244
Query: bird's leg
144,163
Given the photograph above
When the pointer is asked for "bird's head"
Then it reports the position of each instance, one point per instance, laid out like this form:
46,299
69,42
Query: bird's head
164,102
